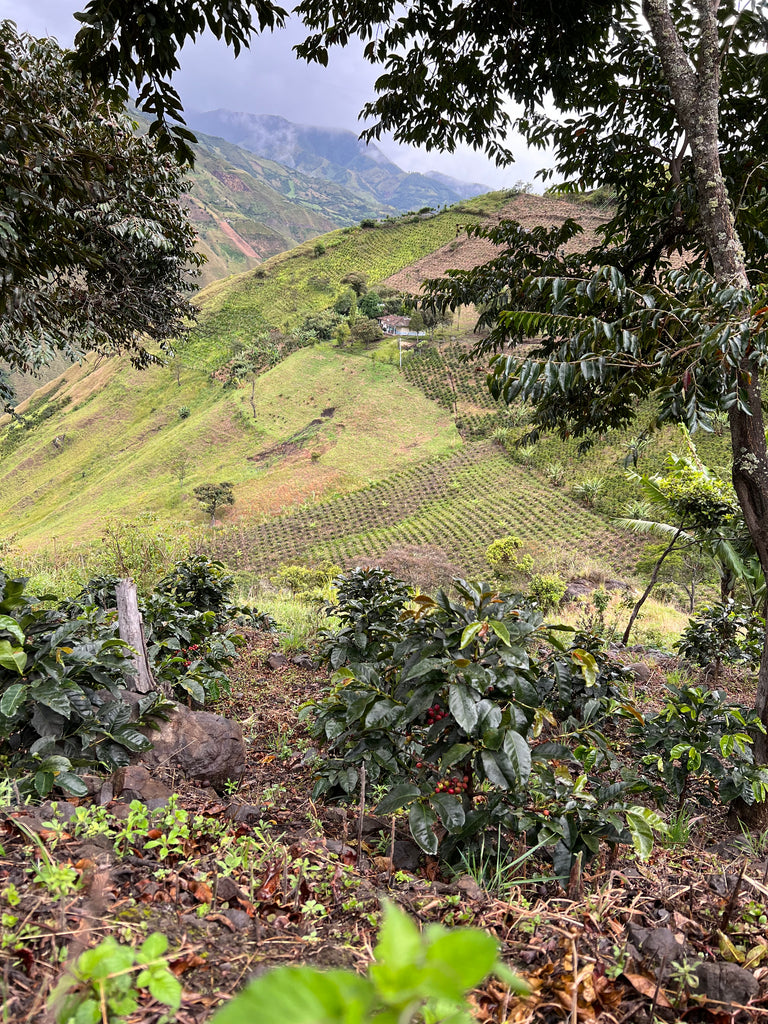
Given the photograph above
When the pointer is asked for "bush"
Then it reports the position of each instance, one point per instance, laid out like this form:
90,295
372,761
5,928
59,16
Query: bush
445,702
547,590
720,633
61,686
184,412
700,744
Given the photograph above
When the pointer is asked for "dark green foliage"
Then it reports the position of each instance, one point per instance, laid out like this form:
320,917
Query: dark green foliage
62,671
370,305
199,583
96,249
369,606
61,679
214,497
445,704
721,633
700,744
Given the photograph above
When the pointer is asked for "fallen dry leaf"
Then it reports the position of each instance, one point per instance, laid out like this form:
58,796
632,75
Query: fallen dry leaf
647,987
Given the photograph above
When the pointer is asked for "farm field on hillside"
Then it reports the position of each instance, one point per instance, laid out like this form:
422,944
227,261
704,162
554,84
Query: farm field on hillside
288,287
118,442
458,503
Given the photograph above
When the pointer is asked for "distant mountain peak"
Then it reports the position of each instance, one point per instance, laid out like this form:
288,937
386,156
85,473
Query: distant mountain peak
333,154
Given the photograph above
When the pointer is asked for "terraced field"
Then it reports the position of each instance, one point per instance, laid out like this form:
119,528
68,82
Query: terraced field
458,503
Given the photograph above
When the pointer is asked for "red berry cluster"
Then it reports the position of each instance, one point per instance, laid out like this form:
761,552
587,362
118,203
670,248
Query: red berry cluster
454,785
191,650
435,714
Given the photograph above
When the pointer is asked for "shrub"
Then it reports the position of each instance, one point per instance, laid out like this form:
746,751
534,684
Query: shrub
555,473
444,707
319,249
184,412
61,686
700,744
502,557
589,490
722,632
547,590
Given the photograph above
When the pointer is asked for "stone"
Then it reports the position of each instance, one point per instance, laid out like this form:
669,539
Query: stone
276,660
227,891
640,670
239,919
203,745
658,945
249,813
135,782
304,661
726,983
407,855
469,888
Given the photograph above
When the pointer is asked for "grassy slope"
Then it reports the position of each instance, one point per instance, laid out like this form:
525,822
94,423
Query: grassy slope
121,431
326,423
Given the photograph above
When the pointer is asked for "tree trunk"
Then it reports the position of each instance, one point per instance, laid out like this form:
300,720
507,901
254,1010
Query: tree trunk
132,631
694,83
649,588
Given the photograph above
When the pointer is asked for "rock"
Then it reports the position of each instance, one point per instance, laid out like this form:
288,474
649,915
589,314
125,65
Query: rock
135,782
106,793
469,888
276,660
407,855
239,919
203,745
640,670
726,983
227,890
249,813
372,825
577,589
658,945
304,661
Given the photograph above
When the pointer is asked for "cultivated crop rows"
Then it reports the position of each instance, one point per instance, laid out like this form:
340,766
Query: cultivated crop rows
459,503
444,376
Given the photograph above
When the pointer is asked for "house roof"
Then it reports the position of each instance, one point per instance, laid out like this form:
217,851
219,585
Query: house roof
394,321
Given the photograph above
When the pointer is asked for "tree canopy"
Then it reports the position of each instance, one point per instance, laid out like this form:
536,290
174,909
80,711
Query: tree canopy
94,246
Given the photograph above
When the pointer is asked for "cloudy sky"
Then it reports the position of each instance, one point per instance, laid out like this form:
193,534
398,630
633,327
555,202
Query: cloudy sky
268,79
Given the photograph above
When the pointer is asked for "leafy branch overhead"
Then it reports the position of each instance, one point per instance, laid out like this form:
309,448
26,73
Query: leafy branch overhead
95,247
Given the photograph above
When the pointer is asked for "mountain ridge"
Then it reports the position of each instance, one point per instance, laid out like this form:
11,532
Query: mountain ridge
333,154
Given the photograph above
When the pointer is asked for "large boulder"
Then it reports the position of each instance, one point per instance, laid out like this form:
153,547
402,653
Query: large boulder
202,745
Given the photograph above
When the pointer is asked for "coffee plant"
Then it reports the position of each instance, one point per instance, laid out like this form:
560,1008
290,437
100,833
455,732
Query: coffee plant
62,670
447,708
700,744
61,680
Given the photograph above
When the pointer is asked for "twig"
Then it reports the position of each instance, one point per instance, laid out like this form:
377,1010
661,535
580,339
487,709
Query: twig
659,976
391,853
361,816
729,908
575,993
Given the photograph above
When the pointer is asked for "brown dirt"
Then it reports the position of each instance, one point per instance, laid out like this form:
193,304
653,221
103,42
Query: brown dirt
466,253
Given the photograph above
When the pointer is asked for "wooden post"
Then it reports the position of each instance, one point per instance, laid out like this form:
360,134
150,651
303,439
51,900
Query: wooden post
132,631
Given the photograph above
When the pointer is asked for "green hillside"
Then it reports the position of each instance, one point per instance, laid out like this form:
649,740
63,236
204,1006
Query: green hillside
285,289
333,453
246,208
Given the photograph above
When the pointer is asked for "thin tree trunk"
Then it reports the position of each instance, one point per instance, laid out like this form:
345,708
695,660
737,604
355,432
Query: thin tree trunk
131,630
649,588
